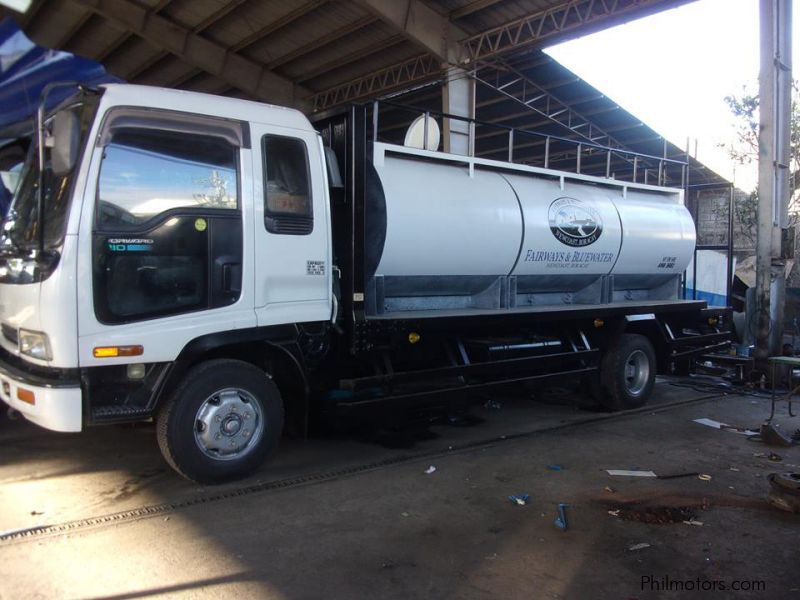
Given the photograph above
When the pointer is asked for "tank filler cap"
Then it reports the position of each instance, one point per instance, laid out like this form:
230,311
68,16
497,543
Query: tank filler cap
416,134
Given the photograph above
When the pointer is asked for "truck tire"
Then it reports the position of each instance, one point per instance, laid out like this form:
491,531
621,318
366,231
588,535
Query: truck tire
628,372
221,422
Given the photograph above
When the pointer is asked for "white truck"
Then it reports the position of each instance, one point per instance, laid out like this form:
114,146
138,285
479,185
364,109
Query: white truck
229,270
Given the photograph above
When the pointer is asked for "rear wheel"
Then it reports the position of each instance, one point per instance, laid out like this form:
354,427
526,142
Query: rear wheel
221,422
628,372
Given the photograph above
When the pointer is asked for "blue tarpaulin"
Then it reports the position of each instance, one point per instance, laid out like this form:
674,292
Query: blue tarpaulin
26,68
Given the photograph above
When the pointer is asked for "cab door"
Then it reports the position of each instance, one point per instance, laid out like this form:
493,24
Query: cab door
165,252
292,247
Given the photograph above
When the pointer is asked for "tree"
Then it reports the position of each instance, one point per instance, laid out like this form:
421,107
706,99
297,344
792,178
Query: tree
745,152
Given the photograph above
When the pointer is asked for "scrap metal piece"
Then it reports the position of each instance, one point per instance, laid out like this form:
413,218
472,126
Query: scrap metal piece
630,473
785,491
561,519
773,436
520,499
641,546
678,475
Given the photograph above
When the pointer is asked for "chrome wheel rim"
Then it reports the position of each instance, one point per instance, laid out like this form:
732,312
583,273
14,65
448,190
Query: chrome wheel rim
228,424
637,372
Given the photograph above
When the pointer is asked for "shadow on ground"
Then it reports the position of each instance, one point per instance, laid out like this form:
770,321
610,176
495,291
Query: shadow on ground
397,532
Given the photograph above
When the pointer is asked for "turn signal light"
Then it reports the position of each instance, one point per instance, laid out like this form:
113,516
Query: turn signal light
117,351
26,396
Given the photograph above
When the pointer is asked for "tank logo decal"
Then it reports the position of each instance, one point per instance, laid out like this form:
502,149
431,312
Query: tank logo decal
574,222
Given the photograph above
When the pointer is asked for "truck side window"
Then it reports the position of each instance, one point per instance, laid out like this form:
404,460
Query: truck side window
168,229
287,197
146,172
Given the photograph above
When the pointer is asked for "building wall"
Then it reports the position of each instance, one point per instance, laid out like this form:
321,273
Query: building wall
712,218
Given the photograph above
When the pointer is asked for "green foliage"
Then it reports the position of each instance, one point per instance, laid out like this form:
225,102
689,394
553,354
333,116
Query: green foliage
745,109
745,152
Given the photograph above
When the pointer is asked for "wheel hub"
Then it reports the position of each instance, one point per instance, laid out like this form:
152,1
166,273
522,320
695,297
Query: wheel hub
637,372
231,425
228,424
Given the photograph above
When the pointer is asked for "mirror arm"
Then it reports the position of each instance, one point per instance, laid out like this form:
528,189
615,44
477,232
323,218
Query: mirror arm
40,160
40,114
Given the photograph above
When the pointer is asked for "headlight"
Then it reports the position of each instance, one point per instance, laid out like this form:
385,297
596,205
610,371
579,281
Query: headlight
34,344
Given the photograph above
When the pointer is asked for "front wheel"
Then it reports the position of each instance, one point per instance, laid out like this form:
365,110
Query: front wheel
628,372
221,422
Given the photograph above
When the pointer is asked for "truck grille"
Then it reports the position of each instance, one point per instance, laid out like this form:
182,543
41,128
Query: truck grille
10,333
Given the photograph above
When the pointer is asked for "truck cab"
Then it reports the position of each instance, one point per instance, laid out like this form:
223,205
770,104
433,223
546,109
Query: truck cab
179,218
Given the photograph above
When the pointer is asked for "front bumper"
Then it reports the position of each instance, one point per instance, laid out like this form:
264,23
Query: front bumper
57,403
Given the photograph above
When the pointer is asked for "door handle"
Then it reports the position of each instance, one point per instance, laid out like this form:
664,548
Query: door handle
232,277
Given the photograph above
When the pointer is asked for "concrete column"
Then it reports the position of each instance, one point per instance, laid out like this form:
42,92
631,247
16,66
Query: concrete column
775,78
458,98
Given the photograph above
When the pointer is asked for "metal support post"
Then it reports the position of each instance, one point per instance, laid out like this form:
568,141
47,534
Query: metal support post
773,188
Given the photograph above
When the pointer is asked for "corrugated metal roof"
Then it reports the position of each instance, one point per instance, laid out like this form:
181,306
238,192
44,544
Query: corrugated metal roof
318,45
267,31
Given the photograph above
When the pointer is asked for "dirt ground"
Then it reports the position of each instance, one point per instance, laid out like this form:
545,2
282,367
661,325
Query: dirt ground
347,517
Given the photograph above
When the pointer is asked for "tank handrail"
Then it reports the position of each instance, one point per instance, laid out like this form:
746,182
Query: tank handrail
419,110
630,156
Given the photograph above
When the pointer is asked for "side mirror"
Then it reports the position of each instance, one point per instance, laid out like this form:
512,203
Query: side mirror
66,136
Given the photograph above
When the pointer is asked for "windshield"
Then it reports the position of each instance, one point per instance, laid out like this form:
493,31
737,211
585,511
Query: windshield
9,178
20,231
12,158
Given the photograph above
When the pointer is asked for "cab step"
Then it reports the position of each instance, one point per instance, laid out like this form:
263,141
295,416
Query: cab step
119,414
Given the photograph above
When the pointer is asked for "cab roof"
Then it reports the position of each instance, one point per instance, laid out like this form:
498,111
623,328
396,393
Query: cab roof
124,94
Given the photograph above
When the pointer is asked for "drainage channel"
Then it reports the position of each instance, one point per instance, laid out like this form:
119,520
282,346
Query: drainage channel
154,510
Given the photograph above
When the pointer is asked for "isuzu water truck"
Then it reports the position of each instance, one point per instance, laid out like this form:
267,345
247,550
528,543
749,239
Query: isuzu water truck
230,269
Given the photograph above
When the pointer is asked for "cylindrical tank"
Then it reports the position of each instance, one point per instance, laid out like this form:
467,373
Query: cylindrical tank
658,238
448,232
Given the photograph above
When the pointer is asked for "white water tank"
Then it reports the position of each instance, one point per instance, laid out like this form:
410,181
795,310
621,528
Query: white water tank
452,233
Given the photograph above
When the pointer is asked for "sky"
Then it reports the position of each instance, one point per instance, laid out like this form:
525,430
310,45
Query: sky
672,70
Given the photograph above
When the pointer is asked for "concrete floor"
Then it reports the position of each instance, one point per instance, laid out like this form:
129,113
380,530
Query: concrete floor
393,531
